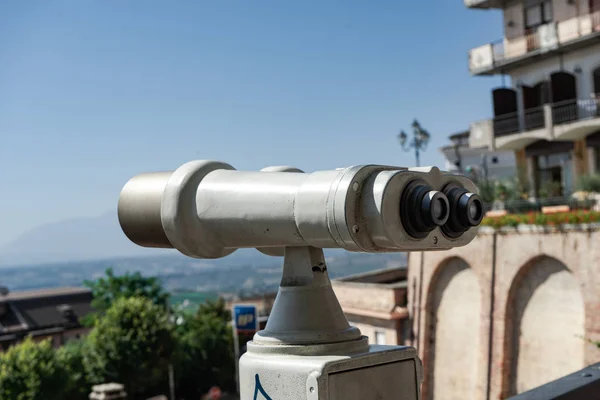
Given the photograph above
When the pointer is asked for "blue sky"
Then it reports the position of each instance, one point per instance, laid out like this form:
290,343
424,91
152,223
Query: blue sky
94,92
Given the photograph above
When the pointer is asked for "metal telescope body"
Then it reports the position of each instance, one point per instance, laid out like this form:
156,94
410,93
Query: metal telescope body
308,350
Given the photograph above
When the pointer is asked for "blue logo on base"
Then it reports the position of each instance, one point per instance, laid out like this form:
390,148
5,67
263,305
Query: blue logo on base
259,389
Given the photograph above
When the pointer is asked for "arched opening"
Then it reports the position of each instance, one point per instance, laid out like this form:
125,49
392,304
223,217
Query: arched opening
534,98
453,333
563,91
545,326
506,120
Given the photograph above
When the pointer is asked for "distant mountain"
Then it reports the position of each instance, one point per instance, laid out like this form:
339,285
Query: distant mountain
69,251
73,240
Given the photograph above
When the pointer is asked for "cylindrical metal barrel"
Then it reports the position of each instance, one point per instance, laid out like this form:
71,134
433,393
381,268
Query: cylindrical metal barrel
139,209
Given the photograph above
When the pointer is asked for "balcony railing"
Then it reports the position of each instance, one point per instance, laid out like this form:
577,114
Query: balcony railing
532,38
545,37
506,124
563,112
572,110
534,118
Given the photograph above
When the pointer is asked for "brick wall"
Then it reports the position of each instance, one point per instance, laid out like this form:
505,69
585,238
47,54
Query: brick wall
517,274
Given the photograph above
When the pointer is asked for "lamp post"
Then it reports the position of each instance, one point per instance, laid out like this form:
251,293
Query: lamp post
418,142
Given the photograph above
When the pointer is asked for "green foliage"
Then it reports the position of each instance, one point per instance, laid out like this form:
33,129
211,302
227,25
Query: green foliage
74,356
589,183
505,190
514,220
107,290
550,189
216,309
487,191
32,371
132,344
205,353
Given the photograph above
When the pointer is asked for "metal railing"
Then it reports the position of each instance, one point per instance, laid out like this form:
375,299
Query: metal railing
573,110
506,124
563,112
581,385
534,118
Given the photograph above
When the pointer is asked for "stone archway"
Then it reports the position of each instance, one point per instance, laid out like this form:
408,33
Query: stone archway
545,325
453,333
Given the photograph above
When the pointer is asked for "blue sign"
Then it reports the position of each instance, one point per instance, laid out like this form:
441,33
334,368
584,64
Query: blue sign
245,318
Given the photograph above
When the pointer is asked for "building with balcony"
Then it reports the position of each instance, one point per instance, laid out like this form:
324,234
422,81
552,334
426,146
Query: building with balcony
549,116
477,162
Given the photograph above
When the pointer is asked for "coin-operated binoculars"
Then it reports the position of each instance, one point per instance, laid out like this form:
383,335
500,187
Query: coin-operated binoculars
207,209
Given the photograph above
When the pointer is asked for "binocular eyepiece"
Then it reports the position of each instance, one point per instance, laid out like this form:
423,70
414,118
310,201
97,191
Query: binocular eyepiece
207,209
454,209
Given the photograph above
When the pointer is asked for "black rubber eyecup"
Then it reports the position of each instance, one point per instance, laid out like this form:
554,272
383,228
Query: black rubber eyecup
466,210
470,209
422,209
435,208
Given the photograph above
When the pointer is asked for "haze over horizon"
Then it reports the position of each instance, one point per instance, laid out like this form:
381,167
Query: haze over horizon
96,92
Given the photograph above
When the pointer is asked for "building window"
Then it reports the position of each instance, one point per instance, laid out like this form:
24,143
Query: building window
379,337
538,14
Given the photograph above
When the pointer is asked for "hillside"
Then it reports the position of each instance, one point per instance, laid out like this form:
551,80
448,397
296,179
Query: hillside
246,270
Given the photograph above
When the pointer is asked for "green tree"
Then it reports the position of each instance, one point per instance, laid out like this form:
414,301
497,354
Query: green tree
216,308
205,351
74,357
132,343
110,288
32,371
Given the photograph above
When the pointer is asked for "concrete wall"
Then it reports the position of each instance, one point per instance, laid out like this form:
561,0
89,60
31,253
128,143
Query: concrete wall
536,289
503,168
362,296
370,328
587,59
547,310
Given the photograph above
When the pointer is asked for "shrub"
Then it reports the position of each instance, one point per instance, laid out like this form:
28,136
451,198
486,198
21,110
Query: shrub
514,220
589,183
32,371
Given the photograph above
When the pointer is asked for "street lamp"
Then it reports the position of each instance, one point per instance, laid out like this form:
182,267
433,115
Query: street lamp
418,142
